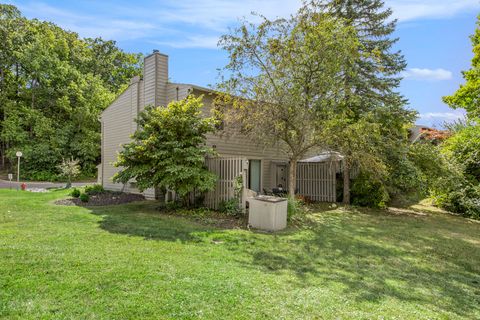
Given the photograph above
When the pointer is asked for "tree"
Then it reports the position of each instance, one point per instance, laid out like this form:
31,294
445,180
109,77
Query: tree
168,150
283,80
69,169
53,86
468,95
372,110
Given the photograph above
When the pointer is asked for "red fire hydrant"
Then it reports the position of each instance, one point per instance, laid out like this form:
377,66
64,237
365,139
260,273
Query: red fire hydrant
23,186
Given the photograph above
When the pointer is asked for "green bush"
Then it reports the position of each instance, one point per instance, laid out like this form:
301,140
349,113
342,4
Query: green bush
465,200
230,207
41,176
367,192
173,205
75,193
94,189
84,197
294,207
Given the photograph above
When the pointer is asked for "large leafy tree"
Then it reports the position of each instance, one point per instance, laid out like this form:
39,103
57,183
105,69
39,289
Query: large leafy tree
168,150
53,87
370,130
283,80
468,95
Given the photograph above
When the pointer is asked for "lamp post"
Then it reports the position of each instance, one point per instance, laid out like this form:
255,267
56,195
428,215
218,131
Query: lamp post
19,155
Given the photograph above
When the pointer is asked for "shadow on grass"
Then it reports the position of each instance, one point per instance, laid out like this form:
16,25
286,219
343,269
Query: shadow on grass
375,256
430,261
143,220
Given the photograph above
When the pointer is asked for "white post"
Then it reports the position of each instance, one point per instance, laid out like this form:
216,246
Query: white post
18,169
19,154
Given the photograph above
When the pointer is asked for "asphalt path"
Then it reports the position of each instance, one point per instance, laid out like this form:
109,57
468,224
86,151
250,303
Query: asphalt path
5,184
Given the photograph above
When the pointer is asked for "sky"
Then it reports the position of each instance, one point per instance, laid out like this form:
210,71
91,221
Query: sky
433,36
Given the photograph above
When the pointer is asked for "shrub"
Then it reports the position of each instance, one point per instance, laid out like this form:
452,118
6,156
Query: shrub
69,169
367,192
465,200
230,207
173,205
41,176
75,193
294,207
84,197
94,189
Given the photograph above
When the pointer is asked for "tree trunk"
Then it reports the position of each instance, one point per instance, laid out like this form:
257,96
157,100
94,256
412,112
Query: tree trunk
346,183
292,178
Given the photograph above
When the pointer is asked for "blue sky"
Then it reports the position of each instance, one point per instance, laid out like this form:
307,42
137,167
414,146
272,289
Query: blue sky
434,36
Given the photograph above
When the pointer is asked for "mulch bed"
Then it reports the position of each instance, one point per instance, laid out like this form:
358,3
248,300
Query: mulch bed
103,199
211,218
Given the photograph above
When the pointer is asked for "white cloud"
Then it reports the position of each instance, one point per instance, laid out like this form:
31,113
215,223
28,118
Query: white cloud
444,116
195,23
191,42
427,74
405,10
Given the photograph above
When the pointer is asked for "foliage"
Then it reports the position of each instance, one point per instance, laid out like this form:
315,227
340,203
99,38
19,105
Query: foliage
297,64
53,86
370,122
231,207
443,178
468,95
464,200
168,150
464,147
42,175
368,192
69,169
94,189
294,207
238,186
75,193
84,197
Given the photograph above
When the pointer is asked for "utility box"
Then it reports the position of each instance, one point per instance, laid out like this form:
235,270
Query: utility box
267,213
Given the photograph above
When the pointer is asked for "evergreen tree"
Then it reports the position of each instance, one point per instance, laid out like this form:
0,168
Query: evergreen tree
370,82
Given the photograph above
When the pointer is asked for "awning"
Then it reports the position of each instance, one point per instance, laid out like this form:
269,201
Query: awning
324,156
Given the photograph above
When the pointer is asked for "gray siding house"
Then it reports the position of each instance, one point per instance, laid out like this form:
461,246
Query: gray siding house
263,167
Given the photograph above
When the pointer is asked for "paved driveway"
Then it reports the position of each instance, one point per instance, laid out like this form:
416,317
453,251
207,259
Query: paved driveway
5,184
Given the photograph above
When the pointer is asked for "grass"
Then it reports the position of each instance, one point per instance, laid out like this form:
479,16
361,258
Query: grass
130,262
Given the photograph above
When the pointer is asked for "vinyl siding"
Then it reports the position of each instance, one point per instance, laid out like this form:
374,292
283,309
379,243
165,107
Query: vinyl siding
241,145
117,125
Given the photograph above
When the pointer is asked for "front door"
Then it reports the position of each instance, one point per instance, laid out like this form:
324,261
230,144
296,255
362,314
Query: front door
281,176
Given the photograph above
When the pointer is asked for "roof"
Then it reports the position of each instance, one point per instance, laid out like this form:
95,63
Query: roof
324,156
194,86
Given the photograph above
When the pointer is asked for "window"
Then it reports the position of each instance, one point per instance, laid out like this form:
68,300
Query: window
254,175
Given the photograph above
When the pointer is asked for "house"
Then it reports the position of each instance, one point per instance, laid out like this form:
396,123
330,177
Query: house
419,132
262,167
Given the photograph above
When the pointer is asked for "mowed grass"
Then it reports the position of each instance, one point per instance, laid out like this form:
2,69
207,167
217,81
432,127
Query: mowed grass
131,262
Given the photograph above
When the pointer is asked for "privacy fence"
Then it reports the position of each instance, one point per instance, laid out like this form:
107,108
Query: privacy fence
317,180
227,170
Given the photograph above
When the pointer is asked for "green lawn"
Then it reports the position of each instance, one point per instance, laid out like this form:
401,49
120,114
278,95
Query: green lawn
132,262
